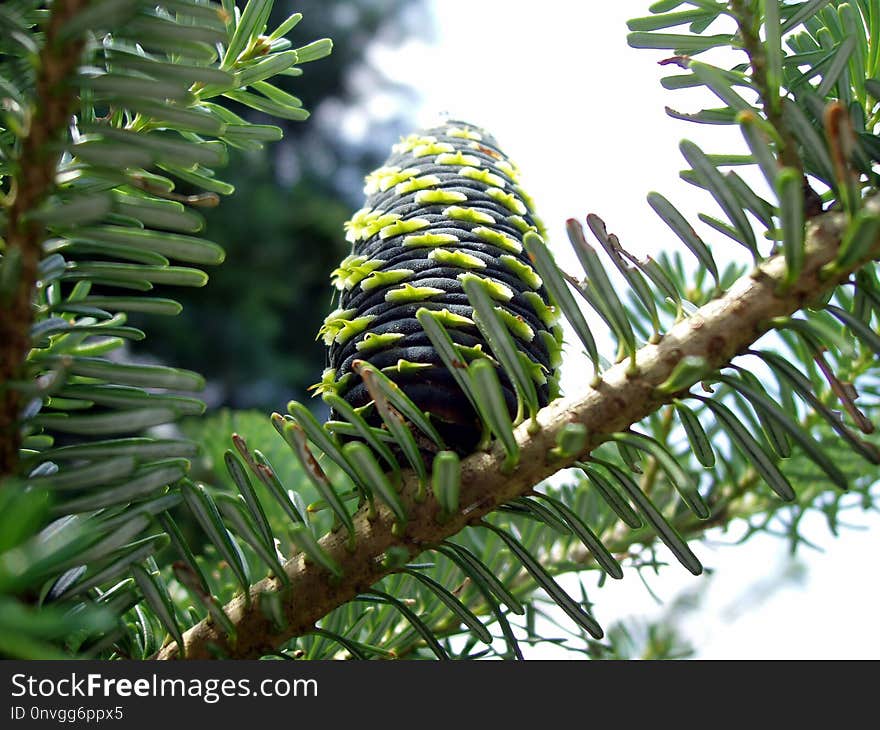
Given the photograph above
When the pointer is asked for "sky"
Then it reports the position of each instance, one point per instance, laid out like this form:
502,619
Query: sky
582,114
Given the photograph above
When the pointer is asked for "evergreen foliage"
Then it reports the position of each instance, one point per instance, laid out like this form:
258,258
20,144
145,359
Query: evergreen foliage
297,192
743,394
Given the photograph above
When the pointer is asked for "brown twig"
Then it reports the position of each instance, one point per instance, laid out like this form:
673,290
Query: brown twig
33,180
717,332
754,48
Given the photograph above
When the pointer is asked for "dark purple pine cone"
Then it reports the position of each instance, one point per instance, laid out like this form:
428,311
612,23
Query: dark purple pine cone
446,203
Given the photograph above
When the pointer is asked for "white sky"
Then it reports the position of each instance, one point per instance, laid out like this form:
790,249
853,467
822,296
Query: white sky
582,115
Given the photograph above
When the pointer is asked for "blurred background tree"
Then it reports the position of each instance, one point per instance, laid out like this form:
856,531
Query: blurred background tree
218,536
252,330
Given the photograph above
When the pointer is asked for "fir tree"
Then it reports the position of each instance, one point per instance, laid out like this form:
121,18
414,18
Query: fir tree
744,394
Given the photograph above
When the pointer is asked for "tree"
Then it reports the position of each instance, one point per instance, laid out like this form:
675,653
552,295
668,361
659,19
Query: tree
298,193
696,425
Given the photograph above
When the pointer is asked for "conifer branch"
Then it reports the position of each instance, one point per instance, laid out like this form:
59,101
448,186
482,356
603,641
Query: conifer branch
33,181
716,332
